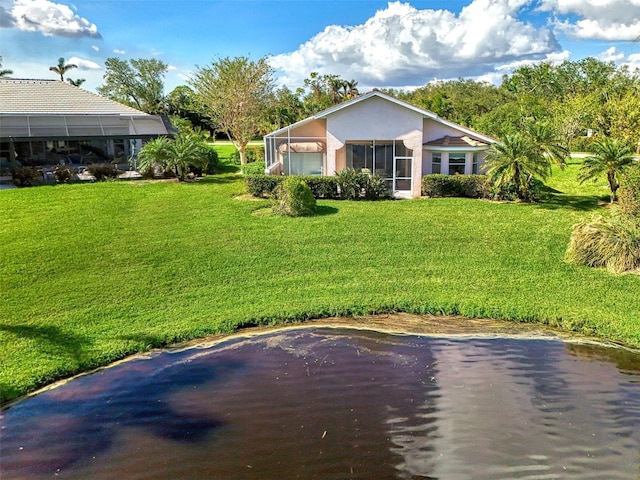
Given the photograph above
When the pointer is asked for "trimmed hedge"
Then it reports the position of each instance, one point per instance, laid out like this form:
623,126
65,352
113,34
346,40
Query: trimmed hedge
470,186
629,192
266,185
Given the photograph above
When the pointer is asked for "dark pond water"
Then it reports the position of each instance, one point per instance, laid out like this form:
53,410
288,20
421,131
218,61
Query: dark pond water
339,404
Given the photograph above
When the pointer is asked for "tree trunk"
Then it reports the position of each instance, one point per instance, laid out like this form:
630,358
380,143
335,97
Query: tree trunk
243,155
613,185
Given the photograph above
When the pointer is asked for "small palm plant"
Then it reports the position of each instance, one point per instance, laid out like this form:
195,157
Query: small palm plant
517,160
175,155
611,157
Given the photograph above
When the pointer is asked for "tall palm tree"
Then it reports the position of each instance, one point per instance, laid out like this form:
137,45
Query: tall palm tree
610,156
516,160
4,71
62,68
350,89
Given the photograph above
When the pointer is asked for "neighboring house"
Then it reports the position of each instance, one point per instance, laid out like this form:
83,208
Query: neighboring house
379,134
47,122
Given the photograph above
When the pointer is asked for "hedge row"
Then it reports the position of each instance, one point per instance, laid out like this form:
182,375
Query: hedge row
266,185
470,186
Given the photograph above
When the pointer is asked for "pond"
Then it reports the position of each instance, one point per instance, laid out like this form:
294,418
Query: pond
339,403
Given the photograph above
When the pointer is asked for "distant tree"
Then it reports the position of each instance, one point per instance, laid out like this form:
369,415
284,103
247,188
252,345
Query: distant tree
236,92
285,108
4,71
61,68
136,83
323,91
611,157
183,102
516,160
77,82
547,142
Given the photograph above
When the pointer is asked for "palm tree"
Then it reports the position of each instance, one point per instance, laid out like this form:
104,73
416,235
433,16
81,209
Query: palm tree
610,156
516,161
4,71
62,68
76,83
547,141
350,89
175,155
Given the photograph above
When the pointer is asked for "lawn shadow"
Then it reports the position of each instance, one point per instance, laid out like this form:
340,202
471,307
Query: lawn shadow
52,340
553,199
323,210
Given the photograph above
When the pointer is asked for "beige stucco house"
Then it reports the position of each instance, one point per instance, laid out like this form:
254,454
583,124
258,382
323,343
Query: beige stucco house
377,133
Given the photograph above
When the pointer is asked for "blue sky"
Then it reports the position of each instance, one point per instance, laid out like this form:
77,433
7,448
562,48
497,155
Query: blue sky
378,43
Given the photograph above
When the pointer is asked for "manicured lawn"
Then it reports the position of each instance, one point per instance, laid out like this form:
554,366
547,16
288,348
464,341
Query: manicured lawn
91,273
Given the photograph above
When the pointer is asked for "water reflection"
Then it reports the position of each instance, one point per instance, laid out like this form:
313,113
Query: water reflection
338,403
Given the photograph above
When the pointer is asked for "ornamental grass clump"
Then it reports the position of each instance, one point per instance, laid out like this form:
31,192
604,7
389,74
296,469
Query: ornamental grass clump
295,198
612,243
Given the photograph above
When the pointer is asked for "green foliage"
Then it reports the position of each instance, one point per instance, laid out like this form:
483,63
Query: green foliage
236,93
629,194
517,161
295,198
178,155
254,168
470,186
323,187
61,68
262,185
136,83
26,176
103,171
63,173
252,153
351,183
613,243
530,191
375,188
610,157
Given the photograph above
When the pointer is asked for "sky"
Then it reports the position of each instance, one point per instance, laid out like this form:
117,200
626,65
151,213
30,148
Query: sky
378,43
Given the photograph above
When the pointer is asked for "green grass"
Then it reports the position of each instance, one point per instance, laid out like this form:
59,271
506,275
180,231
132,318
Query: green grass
92,273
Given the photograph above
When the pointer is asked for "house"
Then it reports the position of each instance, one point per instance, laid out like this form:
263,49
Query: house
376,133
47,122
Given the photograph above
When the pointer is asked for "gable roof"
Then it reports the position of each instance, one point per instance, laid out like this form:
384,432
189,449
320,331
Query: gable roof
54,97
463,141
377,93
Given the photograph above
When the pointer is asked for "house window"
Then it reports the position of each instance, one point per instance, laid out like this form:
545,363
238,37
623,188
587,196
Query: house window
436,162
303,163
456,163
360,156
475,164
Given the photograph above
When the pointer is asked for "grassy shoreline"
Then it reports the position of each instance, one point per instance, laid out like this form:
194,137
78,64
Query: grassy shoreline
93,273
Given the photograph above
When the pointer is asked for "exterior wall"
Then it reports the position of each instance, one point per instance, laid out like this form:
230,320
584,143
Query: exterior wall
316,128
375,119
427,166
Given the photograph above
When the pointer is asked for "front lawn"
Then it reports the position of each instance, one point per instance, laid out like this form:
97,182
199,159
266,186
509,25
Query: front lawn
92,273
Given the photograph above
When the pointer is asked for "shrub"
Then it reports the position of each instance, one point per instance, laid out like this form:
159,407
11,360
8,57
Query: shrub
210,159
252,152
629,191
613,243
323,187
63,173
103,171
531,192
351,183
295,198
262,185
27,176
255,168
375,188
471,186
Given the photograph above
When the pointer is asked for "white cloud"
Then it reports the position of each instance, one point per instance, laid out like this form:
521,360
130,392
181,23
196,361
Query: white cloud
611,54
597,19
95,48
401,45
48,18
119,52
633,61
170,68
84,64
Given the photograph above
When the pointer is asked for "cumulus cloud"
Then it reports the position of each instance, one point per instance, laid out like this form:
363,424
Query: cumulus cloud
84,64
119,52
48,18
401,45
614,20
